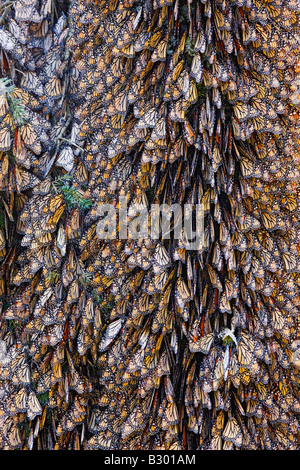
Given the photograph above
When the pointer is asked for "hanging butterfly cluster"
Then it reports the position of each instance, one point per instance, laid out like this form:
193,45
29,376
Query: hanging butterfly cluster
143,343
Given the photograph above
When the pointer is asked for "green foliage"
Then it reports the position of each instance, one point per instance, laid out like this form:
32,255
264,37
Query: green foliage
105,306
85,279
190,47
53,276
12,325
227,336
172,43
15,103
43,398
202,90
73,196
6,86
18,110
2,219
227,340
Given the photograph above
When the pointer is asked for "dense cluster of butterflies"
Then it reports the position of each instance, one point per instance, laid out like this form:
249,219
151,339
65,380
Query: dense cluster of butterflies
140,343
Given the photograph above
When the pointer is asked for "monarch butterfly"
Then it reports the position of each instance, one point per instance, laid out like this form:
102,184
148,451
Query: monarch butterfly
232,432
203,344
30,138
13,438
160,51
148,119
161,259
111,332
3,105
278,319
182,292
162,320
31,82
66,159
33,406
197,67
5,139
53,87
8,42
170,416
245,349
290,262
241,111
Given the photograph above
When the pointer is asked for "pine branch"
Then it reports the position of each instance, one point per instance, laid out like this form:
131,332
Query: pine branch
73,197
16,105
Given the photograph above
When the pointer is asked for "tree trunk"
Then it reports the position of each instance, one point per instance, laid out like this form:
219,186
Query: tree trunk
123,125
